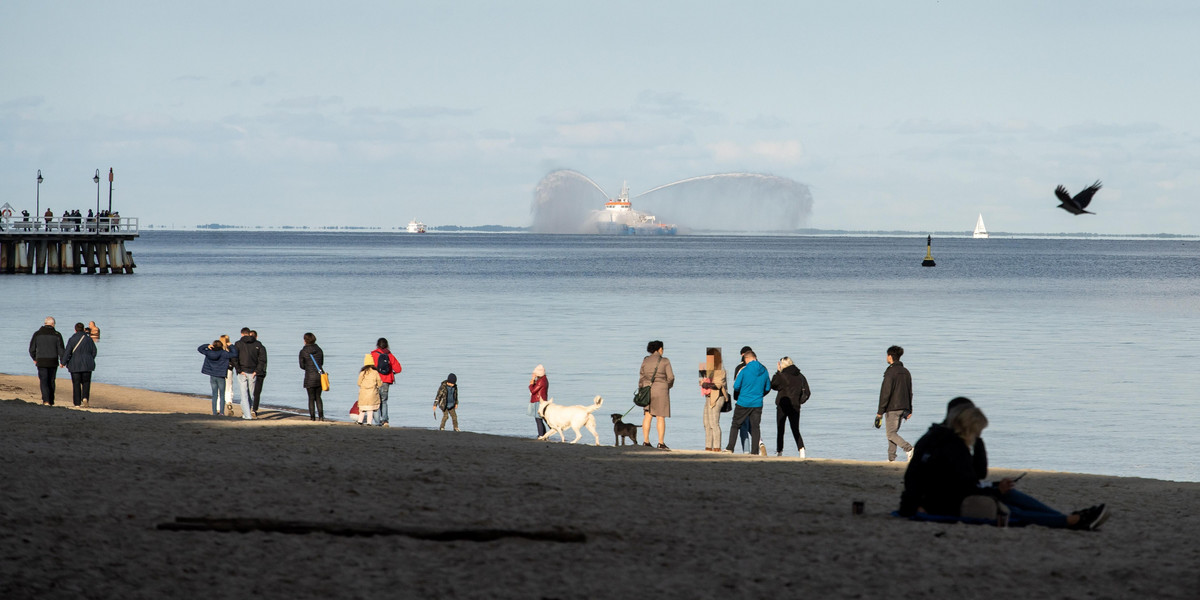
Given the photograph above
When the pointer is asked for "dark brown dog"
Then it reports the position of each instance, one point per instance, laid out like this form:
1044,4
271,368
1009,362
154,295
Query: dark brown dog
623,430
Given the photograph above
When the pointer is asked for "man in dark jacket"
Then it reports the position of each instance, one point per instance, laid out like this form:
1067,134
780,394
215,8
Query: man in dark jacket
895,402
260,371
246,366
46,348
920,482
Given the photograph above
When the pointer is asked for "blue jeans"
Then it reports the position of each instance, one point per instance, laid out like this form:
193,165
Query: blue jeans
218,393
1028,509
381,417
246,391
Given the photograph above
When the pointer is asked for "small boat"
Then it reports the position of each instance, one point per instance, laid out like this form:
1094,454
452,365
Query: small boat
980,230
415,226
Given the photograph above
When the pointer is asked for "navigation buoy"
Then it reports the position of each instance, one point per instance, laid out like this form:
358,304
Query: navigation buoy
928,262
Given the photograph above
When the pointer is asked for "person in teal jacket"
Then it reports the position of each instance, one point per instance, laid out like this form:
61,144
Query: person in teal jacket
752,383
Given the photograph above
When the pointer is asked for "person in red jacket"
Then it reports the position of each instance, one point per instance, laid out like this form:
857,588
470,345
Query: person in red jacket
388,367
539,389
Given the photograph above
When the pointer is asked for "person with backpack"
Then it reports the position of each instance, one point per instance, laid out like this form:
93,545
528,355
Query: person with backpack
388,367
791,391
447,400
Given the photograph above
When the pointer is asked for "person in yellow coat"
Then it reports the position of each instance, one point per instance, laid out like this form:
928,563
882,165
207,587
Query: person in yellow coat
369,382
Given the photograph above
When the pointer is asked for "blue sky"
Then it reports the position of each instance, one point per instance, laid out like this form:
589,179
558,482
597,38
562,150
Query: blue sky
898,115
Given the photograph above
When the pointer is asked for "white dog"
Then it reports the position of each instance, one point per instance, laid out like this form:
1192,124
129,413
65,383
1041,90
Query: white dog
559,417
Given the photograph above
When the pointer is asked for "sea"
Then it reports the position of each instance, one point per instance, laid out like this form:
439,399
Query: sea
1082,352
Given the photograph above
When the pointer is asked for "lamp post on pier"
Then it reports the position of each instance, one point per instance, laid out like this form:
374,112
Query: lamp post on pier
96,178
37,207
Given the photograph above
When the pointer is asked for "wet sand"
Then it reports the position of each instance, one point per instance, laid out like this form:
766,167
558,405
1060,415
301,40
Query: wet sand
84,492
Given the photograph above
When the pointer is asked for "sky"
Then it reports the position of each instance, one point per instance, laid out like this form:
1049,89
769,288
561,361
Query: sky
916,115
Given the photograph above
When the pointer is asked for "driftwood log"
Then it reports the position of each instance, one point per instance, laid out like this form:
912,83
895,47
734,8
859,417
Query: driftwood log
350,530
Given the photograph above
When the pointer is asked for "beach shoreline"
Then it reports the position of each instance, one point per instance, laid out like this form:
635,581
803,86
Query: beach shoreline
88,489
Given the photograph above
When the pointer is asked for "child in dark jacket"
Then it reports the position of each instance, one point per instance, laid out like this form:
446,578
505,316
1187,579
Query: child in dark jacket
447,400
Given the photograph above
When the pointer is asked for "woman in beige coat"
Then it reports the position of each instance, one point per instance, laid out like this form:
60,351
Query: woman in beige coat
369,382
713,386
656,372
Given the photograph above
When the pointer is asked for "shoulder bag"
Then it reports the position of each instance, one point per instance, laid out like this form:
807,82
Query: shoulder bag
642,397
324,375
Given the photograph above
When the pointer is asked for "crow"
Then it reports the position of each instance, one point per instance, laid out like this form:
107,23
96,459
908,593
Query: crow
1076,205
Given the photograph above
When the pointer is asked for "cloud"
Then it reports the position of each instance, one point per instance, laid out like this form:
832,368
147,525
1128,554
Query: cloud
766,122
306,102
414,112
674,105
23,102
777,151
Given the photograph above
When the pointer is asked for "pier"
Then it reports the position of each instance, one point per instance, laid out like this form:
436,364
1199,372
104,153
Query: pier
93,246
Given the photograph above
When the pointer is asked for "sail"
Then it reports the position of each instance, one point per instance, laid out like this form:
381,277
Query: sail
980,230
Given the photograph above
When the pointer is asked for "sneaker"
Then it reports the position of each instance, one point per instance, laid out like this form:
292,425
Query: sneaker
385,424
456,429
780,453
1099,517
726,451
85,402
802,454
909,454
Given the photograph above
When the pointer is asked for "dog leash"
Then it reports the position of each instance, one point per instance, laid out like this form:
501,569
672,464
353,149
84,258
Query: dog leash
627,412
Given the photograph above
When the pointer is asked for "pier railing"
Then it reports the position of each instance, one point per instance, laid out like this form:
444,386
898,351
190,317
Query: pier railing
107,225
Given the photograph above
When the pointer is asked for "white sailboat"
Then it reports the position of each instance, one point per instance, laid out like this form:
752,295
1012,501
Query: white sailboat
980,230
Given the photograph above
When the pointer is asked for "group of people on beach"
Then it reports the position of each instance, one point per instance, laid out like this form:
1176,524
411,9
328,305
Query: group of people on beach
750,386
944,478
244,361
77,355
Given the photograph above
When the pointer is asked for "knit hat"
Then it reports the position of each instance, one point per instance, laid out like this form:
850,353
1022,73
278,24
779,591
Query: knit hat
368,359
539,371
452,378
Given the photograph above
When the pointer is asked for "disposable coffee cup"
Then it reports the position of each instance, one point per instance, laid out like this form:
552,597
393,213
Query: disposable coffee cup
857,507
1002,520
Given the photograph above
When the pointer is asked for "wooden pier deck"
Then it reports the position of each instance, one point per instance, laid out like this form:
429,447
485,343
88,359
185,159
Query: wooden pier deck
37,247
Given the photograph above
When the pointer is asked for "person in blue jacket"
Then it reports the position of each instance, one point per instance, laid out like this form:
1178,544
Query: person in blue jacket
752,383
216,366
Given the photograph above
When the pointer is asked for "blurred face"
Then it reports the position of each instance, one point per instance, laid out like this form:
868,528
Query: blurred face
711,362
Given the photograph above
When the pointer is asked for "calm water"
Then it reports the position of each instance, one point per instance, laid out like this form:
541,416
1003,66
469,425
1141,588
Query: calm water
1081,352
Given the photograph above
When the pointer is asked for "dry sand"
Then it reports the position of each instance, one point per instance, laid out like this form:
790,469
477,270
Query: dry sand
83,492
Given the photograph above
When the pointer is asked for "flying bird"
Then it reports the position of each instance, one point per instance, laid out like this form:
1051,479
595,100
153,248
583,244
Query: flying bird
1076,205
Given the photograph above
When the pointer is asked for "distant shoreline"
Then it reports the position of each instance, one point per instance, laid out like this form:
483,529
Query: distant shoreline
807,232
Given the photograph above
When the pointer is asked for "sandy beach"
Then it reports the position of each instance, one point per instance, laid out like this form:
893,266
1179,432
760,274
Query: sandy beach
85,492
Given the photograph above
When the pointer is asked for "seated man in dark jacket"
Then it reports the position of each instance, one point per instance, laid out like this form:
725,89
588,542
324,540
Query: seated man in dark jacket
945,472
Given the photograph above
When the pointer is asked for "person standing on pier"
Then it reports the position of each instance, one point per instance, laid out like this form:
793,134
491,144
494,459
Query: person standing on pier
260,371
80,360
246,366
46,348
387,366
895,402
